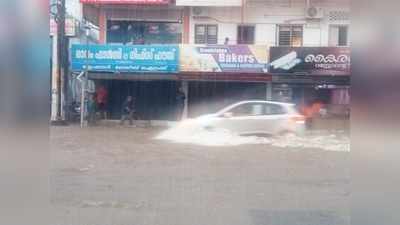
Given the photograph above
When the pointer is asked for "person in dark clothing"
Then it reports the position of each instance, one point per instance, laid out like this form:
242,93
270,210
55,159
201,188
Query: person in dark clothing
226,42
128,110
92,108
180,101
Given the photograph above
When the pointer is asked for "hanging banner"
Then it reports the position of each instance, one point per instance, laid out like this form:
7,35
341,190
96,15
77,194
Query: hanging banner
150,2
310,60
121,58
224,58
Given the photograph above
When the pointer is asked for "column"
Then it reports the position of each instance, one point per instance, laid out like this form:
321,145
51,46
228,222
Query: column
269,91
54,77
102,25
186,25
185,87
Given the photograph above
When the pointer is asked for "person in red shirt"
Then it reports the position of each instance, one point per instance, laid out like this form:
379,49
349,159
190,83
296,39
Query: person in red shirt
101,99
311,111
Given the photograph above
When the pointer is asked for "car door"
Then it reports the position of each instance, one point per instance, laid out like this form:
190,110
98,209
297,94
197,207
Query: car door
273,120
242,118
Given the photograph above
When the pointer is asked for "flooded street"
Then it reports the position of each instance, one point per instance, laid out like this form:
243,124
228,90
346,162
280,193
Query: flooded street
124,176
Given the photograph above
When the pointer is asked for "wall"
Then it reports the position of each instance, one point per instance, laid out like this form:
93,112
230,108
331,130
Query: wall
265,15
144,13
140,13
209,2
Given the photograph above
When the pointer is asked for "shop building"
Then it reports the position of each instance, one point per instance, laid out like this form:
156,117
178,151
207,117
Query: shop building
308,75
225,51
305,24
145,23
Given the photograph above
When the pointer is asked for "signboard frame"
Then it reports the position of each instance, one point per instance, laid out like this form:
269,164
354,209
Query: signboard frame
310,60
224,58
126,58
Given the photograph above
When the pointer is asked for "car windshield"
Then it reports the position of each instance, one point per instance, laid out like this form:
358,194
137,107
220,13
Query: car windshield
248,109
257,109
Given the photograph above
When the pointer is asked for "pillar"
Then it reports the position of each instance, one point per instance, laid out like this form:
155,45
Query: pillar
269,91
185,87
186,25
185,40
54,78
102,26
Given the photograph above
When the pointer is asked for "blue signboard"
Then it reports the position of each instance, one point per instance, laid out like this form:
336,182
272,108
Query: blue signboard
122,58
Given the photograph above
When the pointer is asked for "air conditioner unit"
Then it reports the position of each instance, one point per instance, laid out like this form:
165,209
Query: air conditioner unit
313,12
199,11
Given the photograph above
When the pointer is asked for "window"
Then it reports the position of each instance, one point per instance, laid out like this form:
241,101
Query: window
138,32
245,35
257,109
273,109
248,109
206,34
290,35
338,35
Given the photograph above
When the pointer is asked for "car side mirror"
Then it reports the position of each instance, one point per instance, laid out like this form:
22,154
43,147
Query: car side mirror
227,115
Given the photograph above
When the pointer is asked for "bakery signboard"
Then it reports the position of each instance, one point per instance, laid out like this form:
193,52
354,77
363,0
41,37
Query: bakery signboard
224,58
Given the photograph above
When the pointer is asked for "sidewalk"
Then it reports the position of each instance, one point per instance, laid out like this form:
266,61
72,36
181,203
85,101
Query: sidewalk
138,123
318,123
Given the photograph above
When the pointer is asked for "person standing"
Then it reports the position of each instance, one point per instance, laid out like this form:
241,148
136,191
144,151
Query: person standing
226,42
92,108
180,101
128,110
101,100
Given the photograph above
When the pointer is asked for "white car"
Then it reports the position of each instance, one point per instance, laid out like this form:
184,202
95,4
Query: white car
256,117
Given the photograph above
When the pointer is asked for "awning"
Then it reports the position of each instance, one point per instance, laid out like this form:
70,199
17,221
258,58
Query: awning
132,76
311,79
225,76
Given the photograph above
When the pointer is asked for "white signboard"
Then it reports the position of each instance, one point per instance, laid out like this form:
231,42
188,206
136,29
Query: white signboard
209,2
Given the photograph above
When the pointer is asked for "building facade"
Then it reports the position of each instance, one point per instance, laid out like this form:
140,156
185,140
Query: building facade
75,33
226,49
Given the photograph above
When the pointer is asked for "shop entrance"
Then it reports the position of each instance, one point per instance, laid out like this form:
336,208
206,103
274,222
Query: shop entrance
335,99
209,97
155,100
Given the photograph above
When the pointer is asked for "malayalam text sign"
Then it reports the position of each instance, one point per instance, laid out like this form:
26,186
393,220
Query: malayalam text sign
121,58
310,60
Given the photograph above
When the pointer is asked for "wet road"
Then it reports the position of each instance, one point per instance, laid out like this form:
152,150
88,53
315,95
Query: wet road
121,176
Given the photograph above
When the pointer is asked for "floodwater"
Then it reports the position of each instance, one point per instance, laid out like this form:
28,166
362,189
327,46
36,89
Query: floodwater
191,133
125,175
